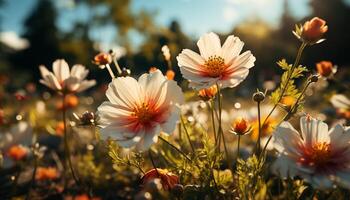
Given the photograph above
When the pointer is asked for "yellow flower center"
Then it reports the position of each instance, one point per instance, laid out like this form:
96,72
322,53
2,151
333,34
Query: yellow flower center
320,153
215,65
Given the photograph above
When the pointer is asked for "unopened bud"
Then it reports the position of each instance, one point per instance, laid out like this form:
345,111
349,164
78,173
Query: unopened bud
125,72
240,126
314,78
258,96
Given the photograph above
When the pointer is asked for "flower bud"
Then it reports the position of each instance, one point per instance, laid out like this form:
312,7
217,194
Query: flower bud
17,152
312,31
208,93
170,74
125,72
102,59
258,96
314,78
326,68
240,126
46,173
166,52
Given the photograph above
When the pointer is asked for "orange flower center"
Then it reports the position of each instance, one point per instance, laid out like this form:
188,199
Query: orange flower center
215,65
144,113
318,155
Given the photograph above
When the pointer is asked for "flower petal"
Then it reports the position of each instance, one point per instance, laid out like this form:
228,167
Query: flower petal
209,45
60,69
313,130
231,48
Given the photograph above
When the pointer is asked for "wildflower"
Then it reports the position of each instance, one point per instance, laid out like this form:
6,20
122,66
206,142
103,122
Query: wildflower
46,173
170,74
70,101
166,52
168,179
312,31
102,59
208,93
63,79
326,68
17,152
319,156
137,111
342,104
215,64
240,126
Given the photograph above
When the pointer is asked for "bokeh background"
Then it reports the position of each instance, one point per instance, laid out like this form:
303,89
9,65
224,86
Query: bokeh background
34,32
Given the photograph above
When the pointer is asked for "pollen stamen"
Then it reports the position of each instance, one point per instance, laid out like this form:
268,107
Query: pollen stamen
215,65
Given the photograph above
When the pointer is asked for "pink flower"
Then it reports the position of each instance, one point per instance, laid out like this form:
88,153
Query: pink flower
137,111
215,64
319,156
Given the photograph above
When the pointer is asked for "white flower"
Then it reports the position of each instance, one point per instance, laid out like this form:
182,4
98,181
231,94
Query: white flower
319,156
166,52
63,79
137,111
215,64
340,101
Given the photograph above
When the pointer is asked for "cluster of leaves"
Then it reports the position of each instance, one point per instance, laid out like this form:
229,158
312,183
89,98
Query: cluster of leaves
288,86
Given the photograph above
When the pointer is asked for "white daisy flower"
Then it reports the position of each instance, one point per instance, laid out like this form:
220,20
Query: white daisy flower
319,156
63,79
215,64
137,111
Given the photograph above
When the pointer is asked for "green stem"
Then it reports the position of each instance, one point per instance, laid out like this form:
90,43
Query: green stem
257,150
152,161
65,137
211,107
238,145
187,134
296,63
174,147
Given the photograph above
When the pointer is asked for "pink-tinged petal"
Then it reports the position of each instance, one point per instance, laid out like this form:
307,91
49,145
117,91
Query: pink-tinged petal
313,130
149,138
170,94
235,78
43,71
125,91
286,139
152,83
192,61
170,125
340,137
61,70
86,84
231,48
245,60
71,83
209,45
116,115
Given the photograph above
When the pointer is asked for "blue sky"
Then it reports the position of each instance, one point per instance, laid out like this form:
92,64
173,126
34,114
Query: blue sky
195,16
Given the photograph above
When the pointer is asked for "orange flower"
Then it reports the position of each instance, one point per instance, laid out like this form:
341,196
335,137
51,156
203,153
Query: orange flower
240,126
152,69
266,129
168,179
85,197
288,102
208,93
170,74
71,101
59,128
102,59
313,30
344,113
17,152
46,173
325,68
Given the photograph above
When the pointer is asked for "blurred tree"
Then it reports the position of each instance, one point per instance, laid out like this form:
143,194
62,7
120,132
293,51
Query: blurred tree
42,34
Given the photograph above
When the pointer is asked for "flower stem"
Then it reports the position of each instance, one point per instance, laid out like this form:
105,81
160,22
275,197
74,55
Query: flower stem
174,147
187,134
110,71
257,150
238,145
296,63
65,137
289,112
152,161
211,107
117,66
32,182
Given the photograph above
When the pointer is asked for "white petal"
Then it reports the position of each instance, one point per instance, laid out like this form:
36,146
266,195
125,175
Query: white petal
231,48
340,136
149,138
52,80
125,91
86,84
43,70
209,45
60,69
109,113
170,125
340,101
235,78
79,72
314,130
286,139
246,60
152,83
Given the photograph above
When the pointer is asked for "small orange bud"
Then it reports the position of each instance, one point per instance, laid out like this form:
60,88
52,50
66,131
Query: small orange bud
152,69
208,93
325,68
170,74
102,59
240,126
17,152
59,128
313,30
46,173
71,101
168,179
